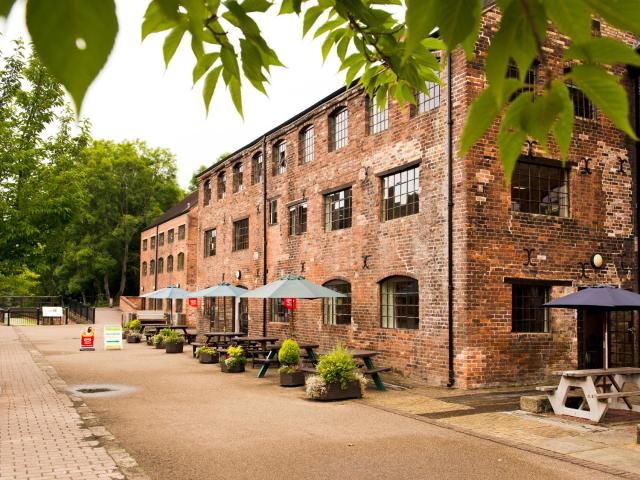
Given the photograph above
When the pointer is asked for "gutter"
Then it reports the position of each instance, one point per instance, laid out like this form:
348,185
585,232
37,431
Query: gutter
450,204
264,231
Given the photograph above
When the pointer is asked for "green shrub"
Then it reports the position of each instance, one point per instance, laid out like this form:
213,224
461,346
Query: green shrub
173,337
156,339
166,331
135,325
337,366
205,350
235,356
289,353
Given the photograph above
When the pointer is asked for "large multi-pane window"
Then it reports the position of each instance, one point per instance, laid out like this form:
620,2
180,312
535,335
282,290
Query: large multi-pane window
528,313
582,106
273,211
430,100
279,157
399,303
161,239
278,311
306,144
144,269
207,192
238,171
152,267
337,311
144,245
210,243
298,219
170,235
241,234
160,265
180,261
338,129
170,263
378,115
222,186
401,193
153,242
337,210
181,232
256,168
540,188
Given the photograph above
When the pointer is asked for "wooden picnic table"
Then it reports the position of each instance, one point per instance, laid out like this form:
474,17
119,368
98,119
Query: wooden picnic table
219,336
602,388
272,355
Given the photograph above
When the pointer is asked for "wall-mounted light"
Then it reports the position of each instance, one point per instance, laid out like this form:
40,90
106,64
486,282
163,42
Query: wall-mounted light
238,274
597,261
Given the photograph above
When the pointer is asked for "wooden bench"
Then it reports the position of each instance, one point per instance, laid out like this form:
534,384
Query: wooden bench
195,346
604,396
264,361
548,388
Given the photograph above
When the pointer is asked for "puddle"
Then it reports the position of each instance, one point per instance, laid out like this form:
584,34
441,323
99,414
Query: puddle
101,390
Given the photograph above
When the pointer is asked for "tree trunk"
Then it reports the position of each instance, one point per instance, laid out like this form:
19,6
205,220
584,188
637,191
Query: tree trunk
123,271
106,287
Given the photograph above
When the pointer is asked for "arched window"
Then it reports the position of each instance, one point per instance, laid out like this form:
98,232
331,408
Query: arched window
170,263
338,129
256,168
160,265
238,171
144,269
180,262
222,188
279,157
306,144
399,300
207,192
152,267
337,311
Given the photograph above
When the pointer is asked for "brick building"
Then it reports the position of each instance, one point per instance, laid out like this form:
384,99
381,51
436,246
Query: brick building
446,265
168,253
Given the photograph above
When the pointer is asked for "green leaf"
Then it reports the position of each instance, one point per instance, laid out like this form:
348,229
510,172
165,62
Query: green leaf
169,8
310,17
328,26
606,93
624,14
482,113
459,20
563,127
603,50
172,42
571,17
229,60
155,20
236,94
511,136
204,64
5,7
73,40
210,83
420,19
343,45
256,5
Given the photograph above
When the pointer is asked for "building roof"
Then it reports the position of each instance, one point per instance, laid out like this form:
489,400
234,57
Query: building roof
183,206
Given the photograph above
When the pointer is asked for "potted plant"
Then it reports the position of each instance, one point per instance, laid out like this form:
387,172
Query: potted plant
134,328
234,363
158,341
174,342
125,330
289,358
336,377
207,354
133,337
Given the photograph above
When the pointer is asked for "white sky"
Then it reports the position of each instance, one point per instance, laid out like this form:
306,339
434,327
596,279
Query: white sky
135,97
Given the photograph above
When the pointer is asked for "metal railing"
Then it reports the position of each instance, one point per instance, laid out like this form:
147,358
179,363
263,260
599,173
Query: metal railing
20,316
80,311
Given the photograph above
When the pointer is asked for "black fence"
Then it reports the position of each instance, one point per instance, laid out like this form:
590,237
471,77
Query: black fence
80,311
30,316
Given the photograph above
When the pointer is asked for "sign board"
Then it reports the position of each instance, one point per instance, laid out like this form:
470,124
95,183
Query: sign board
290,303
52,312
86,340
112,337
193,302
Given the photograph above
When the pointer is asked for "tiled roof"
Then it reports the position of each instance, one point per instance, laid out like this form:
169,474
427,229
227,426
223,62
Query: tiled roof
183,206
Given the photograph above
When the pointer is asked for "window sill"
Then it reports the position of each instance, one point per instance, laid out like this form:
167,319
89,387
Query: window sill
553,218
548,334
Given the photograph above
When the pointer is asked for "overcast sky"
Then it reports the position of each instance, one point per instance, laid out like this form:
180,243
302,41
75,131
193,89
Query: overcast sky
135,97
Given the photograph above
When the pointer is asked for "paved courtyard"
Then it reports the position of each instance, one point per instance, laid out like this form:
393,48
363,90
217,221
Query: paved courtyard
180,419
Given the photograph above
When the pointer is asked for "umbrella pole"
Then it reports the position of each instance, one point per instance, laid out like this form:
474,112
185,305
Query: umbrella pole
606,340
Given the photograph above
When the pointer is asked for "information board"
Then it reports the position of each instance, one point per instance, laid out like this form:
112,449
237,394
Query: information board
52,311
113,337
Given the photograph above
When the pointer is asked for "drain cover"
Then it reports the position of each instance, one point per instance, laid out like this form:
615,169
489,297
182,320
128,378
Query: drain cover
101,390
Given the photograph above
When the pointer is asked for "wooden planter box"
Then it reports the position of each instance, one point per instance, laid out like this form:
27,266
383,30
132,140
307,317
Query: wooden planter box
174,347
334,392
239,368
208,358
132,339
295,379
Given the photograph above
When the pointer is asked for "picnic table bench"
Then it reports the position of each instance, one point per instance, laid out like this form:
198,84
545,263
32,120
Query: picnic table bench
272,356
602,389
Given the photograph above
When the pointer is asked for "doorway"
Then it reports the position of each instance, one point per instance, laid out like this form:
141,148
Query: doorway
590,339
622,339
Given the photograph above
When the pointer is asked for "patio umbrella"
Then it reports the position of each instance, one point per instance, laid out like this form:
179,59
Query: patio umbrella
604,299
291,286
168,293
223,289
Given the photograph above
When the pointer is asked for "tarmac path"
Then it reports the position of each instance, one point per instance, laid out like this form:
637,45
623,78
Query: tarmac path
183,420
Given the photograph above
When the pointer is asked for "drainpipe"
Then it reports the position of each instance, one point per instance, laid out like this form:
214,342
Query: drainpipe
636,98
155,270
450,216
264,232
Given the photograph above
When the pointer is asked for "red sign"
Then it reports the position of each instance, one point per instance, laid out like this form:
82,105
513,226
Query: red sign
193,302
290,303
86,341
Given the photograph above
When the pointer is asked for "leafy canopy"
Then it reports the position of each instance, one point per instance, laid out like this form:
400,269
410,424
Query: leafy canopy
390,45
